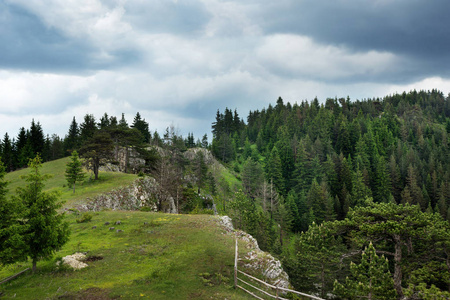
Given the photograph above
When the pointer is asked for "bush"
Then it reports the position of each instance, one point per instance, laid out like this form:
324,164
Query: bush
201,211
86,217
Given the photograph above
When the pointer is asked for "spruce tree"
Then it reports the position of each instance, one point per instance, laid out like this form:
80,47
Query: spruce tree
37,139
87,128
72,139
141,125
74,170
46,230
370,279
274,171
12,244
7,153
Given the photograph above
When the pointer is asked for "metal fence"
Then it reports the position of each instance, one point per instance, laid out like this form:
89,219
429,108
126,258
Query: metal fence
275,289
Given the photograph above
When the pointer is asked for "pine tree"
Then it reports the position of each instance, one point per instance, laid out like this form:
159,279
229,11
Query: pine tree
105,122
99,147
318,254
200,169
252,177
123,124
141,125
72,139
274,170
74,170
46,230
12,244
87,128
299,175
205,141
7,153
382,182
370,279
37,140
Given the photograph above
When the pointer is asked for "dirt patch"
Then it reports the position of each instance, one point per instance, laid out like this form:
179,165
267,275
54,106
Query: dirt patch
89,294
93,258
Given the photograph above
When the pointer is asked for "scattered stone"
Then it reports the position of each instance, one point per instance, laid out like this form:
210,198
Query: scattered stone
94,227
106,223
111,228
145,223
118,230
117,222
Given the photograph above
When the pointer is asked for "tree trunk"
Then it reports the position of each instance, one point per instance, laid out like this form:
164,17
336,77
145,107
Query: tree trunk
96,167
74,187
126,159
34,265
322,279
398,267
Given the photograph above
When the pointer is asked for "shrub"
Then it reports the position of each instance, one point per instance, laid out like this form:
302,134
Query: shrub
86,217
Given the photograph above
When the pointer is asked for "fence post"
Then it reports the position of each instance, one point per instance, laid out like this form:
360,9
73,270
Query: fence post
277,292
235,264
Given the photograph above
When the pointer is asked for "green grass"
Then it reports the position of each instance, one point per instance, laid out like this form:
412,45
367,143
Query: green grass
88,188
172,257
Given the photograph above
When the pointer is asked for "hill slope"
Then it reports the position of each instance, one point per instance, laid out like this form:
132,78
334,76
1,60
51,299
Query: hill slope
57,168
168,257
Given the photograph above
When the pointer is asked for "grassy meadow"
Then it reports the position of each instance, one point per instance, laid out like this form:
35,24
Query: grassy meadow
169,257
83,190
154,256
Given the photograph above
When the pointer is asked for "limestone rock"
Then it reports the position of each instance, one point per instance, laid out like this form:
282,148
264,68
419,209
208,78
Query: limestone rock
75,261
258,261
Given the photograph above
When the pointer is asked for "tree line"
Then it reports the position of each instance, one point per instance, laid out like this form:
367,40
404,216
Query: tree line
16,152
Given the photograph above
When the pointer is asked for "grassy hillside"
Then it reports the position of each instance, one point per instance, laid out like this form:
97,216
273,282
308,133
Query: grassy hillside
155,256
89,188
171,257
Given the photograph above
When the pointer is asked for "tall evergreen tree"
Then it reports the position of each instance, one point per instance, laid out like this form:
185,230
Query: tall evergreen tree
87,128
72,139
46,230
105,122
12,244
274,170
370,279
37,139
7,153
97,149
382,182
123,124
74,170
141,125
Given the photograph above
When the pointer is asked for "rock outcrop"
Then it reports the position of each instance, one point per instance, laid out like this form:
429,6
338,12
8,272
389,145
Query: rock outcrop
75,261
257,260
143,192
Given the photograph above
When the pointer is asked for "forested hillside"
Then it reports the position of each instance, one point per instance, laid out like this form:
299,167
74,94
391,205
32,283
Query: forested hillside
383,161
352,196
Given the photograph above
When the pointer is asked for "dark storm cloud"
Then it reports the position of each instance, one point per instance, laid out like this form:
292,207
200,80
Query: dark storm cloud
28,44
416,30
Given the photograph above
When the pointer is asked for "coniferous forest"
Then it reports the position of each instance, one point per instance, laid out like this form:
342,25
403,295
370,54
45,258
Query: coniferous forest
352,196
335,186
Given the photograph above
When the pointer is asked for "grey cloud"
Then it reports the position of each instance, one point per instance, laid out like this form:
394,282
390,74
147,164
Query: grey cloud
417,30
28,44
185,17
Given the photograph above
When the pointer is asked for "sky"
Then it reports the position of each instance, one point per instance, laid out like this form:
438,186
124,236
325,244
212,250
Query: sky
177,62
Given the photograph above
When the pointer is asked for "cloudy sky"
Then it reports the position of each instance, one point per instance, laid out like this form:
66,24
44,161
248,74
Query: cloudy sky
177,62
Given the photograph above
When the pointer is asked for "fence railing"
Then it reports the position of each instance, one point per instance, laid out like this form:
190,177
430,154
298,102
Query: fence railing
276,289
13,276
